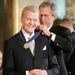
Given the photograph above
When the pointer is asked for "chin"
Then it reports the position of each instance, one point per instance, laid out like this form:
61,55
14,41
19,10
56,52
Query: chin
31,31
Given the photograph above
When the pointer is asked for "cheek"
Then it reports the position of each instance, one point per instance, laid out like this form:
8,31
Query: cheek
0,62
36,24
50,18
24,21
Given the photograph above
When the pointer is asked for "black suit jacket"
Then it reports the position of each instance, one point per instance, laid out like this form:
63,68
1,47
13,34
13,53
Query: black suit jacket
62,44
71,61
17,59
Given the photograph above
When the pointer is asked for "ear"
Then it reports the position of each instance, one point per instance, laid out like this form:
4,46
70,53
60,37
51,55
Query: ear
54,17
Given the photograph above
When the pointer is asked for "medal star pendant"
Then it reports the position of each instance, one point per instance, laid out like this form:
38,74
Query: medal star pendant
26,45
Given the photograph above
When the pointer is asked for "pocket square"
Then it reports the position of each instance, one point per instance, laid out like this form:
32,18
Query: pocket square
44,48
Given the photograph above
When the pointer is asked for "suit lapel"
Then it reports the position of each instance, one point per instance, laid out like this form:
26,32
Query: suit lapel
37,46
38,53
21,40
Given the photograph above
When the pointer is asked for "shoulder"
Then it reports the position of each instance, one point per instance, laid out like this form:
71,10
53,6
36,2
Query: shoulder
59,29
11,39
73,36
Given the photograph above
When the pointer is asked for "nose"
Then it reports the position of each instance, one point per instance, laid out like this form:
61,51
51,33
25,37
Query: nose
42,18
31,22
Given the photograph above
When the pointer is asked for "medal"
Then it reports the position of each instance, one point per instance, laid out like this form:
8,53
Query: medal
26,45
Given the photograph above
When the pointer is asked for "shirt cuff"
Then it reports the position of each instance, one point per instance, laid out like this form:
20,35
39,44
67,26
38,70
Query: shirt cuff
27,72
53,37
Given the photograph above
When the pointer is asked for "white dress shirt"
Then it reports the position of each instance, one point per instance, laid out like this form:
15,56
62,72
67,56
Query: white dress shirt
31,44
53,35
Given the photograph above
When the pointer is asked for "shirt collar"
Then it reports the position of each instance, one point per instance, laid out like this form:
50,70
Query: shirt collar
49,27
26,35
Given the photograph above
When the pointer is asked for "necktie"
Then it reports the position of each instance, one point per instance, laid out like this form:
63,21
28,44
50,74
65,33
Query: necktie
32,46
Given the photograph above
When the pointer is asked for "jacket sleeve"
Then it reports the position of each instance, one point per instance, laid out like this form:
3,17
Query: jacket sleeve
8,62
63,41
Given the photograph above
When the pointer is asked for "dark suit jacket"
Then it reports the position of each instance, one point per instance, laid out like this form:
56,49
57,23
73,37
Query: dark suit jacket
71,62
17,59
62,43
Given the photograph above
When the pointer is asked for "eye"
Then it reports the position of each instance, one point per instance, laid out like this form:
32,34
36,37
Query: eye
28,19
35,20
45,15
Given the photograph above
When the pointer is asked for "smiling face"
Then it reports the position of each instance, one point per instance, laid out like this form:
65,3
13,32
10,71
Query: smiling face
29,21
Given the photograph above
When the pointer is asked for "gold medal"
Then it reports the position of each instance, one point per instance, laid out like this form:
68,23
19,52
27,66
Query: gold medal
26,45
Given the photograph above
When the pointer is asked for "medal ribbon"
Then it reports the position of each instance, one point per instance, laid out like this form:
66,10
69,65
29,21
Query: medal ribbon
35,36
32,38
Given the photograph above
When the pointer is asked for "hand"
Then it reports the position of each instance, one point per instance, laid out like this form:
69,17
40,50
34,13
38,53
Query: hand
45,30
34,72
38,72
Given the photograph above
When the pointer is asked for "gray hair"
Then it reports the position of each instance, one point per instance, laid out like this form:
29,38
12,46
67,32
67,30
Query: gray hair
29,8
49,4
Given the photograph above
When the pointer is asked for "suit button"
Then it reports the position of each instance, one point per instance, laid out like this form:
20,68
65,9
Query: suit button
69,73
57,44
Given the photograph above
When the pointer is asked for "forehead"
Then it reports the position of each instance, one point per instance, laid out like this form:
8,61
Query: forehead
31,14
45,10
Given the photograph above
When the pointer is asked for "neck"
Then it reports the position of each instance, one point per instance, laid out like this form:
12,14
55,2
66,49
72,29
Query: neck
49,26
29,33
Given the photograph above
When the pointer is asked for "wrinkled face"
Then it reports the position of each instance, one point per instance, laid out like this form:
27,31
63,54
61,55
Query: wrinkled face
46,16
29,21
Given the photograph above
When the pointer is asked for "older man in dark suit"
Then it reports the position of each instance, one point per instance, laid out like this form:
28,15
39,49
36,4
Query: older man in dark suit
60,38
27,52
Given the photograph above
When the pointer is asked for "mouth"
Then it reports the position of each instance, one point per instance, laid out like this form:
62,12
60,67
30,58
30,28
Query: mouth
31,26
